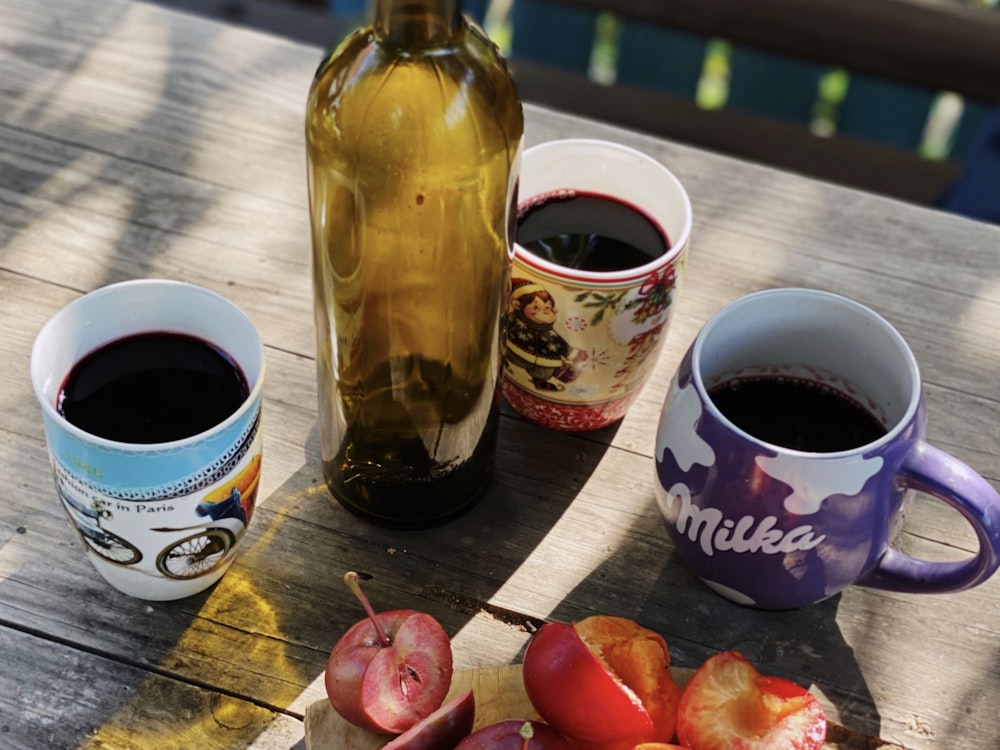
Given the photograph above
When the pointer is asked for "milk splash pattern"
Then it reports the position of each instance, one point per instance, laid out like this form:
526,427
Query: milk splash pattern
806,482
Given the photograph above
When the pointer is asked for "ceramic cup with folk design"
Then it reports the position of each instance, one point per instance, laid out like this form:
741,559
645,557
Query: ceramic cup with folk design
790,442
602,235
158,520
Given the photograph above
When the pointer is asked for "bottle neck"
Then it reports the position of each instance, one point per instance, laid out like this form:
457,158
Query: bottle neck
416,23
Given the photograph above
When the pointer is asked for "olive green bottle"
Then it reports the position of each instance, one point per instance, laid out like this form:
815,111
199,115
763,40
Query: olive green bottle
414,135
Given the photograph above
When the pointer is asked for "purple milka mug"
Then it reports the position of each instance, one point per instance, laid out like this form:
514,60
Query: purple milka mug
778,527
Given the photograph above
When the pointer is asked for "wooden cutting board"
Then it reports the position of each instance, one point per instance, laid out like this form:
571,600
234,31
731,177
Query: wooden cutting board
499,695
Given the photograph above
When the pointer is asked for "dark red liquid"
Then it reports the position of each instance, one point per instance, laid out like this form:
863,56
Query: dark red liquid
590,232
152,388
796,414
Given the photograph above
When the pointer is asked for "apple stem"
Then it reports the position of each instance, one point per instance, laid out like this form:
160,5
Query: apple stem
526,733
351,579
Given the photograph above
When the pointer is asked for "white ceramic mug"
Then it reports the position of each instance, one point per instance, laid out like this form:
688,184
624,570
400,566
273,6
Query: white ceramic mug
158,521
579,363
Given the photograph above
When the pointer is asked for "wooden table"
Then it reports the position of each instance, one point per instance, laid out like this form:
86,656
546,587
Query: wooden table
139,142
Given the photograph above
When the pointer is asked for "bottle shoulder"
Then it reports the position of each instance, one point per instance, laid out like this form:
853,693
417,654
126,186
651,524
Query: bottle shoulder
394,86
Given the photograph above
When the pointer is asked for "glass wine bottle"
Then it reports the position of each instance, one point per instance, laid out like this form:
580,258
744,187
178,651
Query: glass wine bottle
414,136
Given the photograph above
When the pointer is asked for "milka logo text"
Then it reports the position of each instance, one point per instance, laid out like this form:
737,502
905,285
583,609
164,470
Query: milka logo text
714,532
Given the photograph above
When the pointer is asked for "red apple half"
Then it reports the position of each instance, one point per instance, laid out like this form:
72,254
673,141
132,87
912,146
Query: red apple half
729,704
602,682
390,687
506,735
443,729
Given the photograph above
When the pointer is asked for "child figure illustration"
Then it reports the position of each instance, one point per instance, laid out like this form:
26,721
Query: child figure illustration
532,342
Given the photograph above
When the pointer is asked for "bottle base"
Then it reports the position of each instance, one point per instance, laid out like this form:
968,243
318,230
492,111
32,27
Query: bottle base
410,505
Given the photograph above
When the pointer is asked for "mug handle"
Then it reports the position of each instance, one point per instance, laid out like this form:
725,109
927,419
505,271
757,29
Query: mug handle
931,470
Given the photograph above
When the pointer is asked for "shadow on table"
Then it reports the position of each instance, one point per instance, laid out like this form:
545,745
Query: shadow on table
263,634
455,570
299,554
473,554
805,645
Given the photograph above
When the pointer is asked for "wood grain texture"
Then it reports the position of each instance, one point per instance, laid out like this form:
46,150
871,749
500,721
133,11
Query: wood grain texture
139,142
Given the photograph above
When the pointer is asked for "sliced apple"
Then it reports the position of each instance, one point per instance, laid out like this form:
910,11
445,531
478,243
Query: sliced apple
389,688
511,735
389,671
442,729
604,681
728,704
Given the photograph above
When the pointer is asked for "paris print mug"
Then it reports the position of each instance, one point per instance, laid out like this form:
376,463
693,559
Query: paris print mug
158,521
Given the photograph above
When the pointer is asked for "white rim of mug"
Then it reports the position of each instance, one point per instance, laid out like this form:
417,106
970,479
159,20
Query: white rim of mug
611,277
829,297
118,445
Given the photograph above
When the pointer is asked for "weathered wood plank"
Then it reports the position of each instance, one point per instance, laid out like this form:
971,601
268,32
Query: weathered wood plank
83,700
106,180
601,564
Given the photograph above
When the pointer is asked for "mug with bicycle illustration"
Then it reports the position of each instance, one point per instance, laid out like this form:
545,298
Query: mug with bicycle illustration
150,393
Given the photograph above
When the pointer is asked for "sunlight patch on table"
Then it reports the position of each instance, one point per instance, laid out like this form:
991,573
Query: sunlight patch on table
563,566
11,560
103,105
237,120
238,637
975,331
483,634
876,630
754,232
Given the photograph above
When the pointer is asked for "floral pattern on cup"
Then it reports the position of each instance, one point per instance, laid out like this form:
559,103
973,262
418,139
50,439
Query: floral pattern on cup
603,346
580,343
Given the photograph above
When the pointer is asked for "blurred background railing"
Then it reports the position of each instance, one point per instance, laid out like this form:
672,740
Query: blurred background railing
884,95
